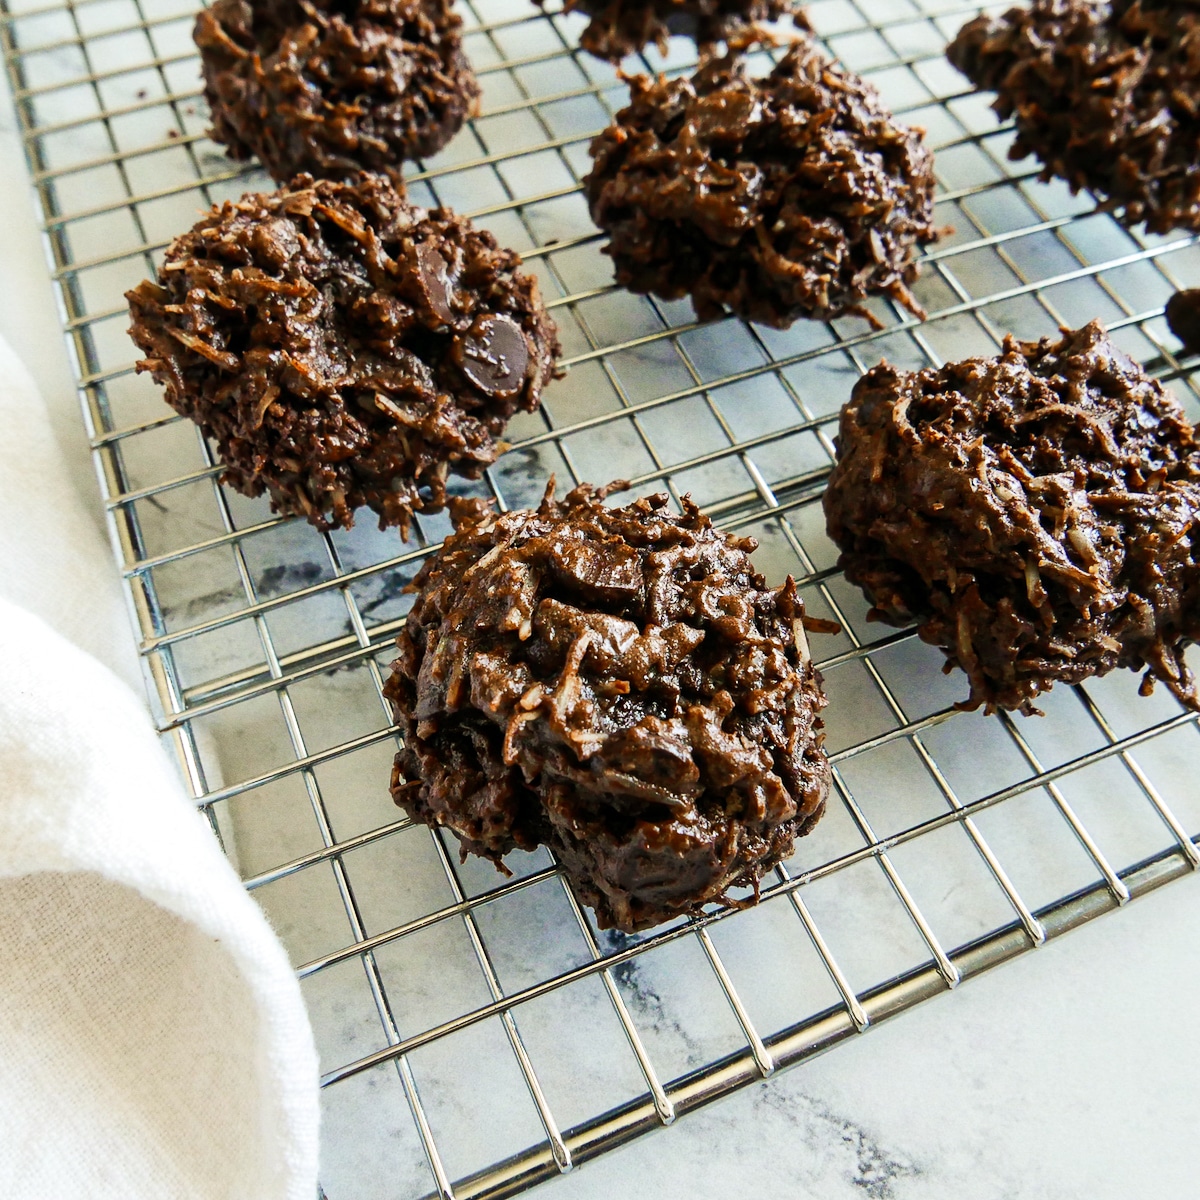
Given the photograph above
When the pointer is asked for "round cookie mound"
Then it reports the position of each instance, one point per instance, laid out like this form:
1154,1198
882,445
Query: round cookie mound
334,86
343,347
1038,513
620,27
796,195
619,684
1106,95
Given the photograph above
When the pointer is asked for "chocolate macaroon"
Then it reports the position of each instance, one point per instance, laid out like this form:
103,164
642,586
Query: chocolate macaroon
620,685
1107,95
343,347
621,27
1038,515
331,88
796,195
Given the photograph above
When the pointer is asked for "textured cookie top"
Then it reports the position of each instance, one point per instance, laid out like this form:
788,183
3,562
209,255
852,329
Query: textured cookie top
1106,95
344,347
620,27
797,195
620,683
334,86
1038,512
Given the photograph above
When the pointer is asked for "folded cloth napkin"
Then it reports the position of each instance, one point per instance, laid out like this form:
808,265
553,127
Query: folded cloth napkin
153,1040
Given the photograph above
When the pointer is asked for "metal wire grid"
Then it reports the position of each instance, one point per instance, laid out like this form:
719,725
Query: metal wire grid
265,641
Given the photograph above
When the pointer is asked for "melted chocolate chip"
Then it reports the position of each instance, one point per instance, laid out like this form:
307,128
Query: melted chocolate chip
608,576
493,354
436,282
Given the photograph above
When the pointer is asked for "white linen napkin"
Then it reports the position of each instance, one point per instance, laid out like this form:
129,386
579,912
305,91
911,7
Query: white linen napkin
153,1040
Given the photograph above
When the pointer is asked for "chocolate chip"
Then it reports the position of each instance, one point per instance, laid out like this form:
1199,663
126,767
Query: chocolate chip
605,573
493,354
437,283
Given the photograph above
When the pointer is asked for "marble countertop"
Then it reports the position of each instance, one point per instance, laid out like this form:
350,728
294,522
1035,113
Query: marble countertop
1067,1073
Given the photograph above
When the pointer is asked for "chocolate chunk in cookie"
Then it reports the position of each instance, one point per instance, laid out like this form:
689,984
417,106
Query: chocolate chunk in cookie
1183,317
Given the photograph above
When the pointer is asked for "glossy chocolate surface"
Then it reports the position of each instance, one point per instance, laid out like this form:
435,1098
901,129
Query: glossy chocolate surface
619,684
1037,513
344,347
332,87
1106,95
792,196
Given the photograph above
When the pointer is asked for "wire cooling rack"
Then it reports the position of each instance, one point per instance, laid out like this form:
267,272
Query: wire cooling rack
479,1034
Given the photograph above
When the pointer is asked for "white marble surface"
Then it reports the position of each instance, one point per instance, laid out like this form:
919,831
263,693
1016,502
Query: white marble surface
1068,1073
